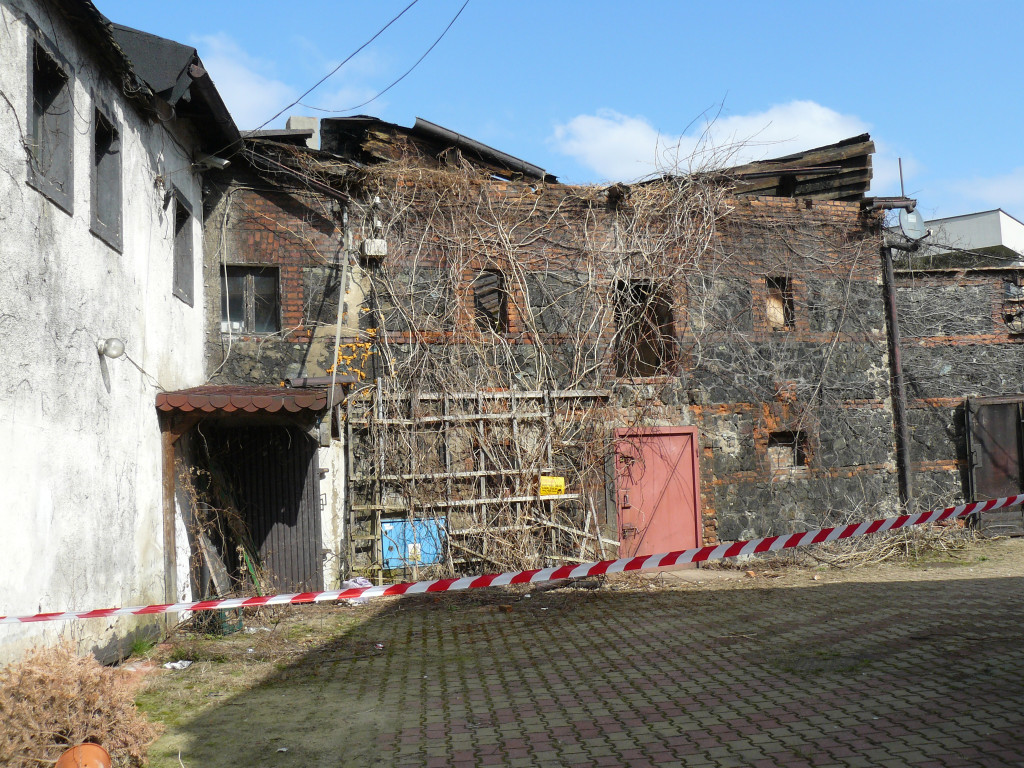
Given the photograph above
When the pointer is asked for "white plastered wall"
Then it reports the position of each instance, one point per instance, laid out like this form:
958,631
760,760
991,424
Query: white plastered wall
80,446
332,518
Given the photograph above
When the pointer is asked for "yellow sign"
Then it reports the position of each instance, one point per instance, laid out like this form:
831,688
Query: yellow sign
551,486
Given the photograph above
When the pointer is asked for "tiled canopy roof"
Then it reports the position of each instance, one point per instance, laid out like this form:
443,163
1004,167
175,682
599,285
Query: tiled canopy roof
228,399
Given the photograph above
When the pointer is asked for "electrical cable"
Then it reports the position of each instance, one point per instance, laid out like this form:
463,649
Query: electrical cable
401,78
323,79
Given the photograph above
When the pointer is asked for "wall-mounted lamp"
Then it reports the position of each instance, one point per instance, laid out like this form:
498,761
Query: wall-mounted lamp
112,348
205,162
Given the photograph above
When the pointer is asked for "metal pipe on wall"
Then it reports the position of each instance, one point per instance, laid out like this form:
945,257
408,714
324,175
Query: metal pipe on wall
898,384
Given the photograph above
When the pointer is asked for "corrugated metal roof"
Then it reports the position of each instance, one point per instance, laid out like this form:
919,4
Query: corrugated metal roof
229,399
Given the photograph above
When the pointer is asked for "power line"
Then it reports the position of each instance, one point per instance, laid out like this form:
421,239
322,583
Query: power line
323,79
401,78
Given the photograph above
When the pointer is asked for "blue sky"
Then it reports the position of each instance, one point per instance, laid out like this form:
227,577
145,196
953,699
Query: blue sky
601,91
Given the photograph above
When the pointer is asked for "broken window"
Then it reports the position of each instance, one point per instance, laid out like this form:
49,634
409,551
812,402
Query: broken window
646,331
249,300
490,301
779,309
106,180
50,142
1013,304
184,269
787,450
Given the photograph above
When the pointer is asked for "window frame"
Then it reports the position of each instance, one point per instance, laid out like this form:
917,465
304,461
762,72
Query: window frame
794,440
248,322
779,288
59,190
485,320
657,334
108,232
184,249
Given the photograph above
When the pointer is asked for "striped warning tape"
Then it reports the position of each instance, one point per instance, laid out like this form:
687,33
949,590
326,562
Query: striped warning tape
643,563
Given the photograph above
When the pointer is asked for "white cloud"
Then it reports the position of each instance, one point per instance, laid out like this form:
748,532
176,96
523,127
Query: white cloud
250,93
621,147
614,145
1004,191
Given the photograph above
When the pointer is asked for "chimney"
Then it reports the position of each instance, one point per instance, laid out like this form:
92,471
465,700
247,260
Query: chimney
299,123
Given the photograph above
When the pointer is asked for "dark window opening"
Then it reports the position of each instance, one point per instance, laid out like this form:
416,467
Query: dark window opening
787,185
779,310
249,300
51,136
490,301
787,450
1013,304
184,268
106,180
646,330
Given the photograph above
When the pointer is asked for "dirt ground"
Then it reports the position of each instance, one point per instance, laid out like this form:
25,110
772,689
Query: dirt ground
343,685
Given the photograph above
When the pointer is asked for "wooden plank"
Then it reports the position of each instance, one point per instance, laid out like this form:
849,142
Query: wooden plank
533,416
509,393
496,500
451,475
488,529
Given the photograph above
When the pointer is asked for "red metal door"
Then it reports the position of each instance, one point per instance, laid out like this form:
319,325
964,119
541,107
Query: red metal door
656,489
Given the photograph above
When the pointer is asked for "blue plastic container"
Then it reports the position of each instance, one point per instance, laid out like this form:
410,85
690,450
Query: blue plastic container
408,543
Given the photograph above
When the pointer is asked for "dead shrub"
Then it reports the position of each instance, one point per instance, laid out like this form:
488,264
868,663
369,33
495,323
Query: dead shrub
53,699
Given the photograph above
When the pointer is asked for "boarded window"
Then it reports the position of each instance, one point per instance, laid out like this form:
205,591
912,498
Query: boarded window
787,450
106,180
645,342
184,268
490,301
779,309
50,130
249,300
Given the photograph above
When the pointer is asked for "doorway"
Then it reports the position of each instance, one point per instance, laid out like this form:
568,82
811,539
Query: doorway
656,484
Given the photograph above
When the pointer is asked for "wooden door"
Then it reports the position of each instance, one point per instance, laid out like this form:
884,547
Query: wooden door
657,490
275,474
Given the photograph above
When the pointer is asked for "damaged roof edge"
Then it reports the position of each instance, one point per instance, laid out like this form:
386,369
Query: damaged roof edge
92,25
337,130
434,131
840,171
173,71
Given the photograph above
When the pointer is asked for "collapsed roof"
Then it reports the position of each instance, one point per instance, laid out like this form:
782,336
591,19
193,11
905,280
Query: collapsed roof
840,171
371,140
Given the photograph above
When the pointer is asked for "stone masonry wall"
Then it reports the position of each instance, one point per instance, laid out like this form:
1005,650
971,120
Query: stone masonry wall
956,345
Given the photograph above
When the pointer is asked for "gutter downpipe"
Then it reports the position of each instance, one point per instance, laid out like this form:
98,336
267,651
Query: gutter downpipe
342,291
898,383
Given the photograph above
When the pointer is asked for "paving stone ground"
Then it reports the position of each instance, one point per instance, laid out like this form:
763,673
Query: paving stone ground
896,667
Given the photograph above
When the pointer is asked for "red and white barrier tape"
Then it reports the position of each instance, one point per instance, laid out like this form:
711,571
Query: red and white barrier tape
643,563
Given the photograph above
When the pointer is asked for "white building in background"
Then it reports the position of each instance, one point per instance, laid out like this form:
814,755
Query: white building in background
987,235
100,238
